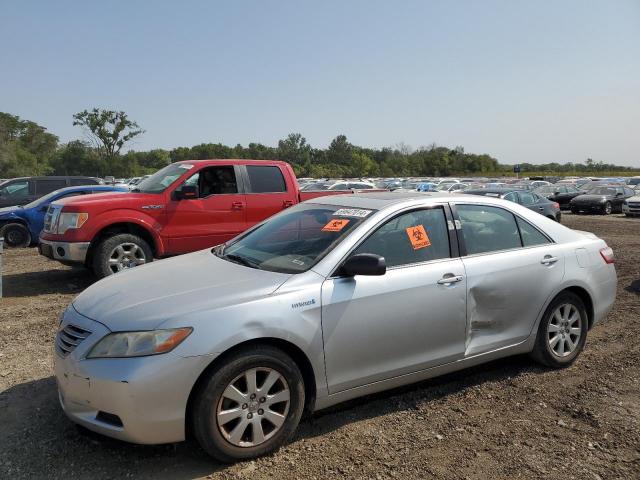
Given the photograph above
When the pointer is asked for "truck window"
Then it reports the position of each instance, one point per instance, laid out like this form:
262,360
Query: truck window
216,181
267,179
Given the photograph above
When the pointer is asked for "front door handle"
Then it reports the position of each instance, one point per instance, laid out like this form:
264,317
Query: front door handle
541,208
450,278
287,203
549,260
237,205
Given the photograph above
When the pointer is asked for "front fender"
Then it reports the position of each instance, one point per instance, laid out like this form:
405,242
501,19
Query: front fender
114,217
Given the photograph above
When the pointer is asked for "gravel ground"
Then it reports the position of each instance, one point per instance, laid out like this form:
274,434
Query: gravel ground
507,419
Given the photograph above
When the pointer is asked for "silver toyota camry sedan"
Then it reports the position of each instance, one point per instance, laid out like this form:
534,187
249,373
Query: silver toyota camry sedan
329,300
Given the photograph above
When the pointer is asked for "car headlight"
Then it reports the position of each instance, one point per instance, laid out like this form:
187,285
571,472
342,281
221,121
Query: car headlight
71,220
139,344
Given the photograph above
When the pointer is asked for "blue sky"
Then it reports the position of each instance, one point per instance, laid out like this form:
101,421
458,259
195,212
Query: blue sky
525,81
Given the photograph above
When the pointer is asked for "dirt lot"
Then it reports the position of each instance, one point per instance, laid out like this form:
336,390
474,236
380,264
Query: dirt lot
508,419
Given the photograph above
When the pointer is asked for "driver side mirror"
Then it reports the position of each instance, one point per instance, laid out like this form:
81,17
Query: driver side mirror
364,264
186,192
619,194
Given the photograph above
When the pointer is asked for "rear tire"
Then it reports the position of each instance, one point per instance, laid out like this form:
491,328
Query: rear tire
16,235
562,332
231,430
120,252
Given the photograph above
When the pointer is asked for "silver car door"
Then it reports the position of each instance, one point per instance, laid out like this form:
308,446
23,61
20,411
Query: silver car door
411,318
511,270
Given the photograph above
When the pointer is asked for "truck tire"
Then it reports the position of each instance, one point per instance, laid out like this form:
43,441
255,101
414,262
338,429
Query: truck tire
120,252
16,235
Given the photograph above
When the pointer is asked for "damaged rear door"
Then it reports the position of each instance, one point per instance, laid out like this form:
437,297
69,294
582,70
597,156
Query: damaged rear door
511,268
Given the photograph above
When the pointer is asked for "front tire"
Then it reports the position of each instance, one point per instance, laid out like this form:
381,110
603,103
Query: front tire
607,208
16,235
249,406
120,252
562,332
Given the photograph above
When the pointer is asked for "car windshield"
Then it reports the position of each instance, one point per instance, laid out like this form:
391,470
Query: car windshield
159,181
602,191
294,240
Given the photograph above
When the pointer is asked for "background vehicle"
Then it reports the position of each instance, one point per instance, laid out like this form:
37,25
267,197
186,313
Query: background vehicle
530,200
19,191
631,206
21,226
562,194
266,326
184,207
602,199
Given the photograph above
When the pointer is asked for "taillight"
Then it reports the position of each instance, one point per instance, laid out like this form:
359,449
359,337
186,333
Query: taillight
556,205
607,255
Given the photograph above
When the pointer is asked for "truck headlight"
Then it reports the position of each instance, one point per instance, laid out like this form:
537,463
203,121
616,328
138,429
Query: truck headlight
139,344
71,220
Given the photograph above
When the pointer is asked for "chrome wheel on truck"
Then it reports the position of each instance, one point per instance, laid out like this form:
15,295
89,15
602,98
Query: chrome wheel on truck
119,252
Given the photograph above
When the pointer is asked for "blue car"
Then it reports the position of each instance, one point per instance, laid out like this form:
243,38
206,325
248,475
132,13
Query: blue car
21,225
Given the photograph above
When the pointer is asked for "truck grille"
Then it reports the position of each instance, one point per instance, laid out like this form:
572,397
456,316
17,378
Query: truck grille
69,338
51,218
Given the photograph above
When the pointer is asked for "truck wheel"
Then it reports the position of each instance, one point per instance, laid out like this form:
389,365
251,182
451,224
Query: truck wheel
16,235
250,405
120,252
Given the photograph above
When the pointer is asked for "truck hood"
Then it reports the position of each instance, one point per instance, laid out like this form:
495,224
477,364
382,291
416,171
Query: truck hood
145,297
110,201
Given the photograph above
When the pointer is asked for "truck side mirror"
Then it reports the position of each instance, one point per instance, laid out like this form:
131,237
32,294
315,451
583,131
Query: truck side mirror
186,192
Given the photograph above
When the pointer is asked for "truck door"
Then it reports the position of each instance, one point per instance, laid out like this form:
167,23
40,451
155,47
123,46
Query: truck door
267,192
216,215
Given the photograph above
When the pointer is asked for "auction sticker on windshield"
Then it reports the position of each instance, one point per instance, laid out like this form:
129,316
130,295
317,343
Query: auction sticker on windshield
186,166
352,212
418,237
335,225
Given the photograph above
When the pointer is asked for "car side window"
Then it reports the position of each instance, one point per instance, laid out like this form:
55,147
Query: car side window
15,190
526,198
512,197
531,236
413,237
266,179
47,186
488,229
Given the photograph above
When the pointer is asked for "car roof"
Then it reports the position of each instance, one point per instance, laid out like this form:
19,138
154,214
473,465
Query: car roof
498,190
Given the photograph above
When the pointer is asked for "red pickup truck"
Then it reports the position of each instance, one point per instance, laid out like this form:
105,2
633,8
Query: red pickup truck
184,207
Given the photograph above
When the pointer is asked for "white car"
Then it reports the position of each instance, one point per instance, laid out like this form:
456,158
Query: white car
631,206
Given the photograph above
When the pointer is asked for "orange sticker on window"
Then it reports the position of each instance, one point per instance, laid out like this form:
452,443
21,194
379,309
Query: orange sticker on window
335,225
418,237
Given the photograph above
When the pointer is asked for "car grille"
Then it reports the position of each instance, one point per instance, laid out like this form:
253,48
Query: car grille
634,204
69,338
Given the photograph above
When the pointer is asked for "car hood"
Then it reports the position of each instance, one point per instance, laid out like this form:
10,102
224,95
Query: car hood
9,210
109,201
143,298
591,198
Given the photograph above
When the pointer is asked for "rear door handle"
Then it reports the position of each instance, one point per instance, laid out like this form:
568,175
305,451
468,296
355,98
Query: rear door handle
450,278
549,260
237,205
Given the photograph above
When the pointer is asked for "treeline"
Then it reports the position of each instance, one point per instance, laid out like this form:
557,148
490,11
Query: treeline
26,148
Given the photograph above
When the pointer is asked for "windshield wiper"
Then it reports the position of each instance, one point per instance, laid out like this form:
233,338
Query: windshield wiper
241,260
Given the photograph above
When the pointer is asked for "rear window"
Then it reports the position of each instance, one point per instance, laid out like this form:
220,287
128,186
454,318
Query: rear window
267,179
76,182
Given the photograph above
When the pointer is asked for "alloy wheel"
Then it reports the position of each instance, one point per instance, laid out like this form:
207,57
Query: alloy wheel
253,407
564,330
126,255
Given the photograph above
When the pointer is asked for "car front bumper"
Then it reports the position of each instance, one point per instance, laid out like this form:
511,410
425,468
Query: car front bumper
631,209
139,400
65,252
587,208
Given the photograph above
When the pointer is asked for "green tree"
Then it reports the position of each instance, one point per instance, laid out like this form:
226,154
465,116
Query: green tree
108,129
